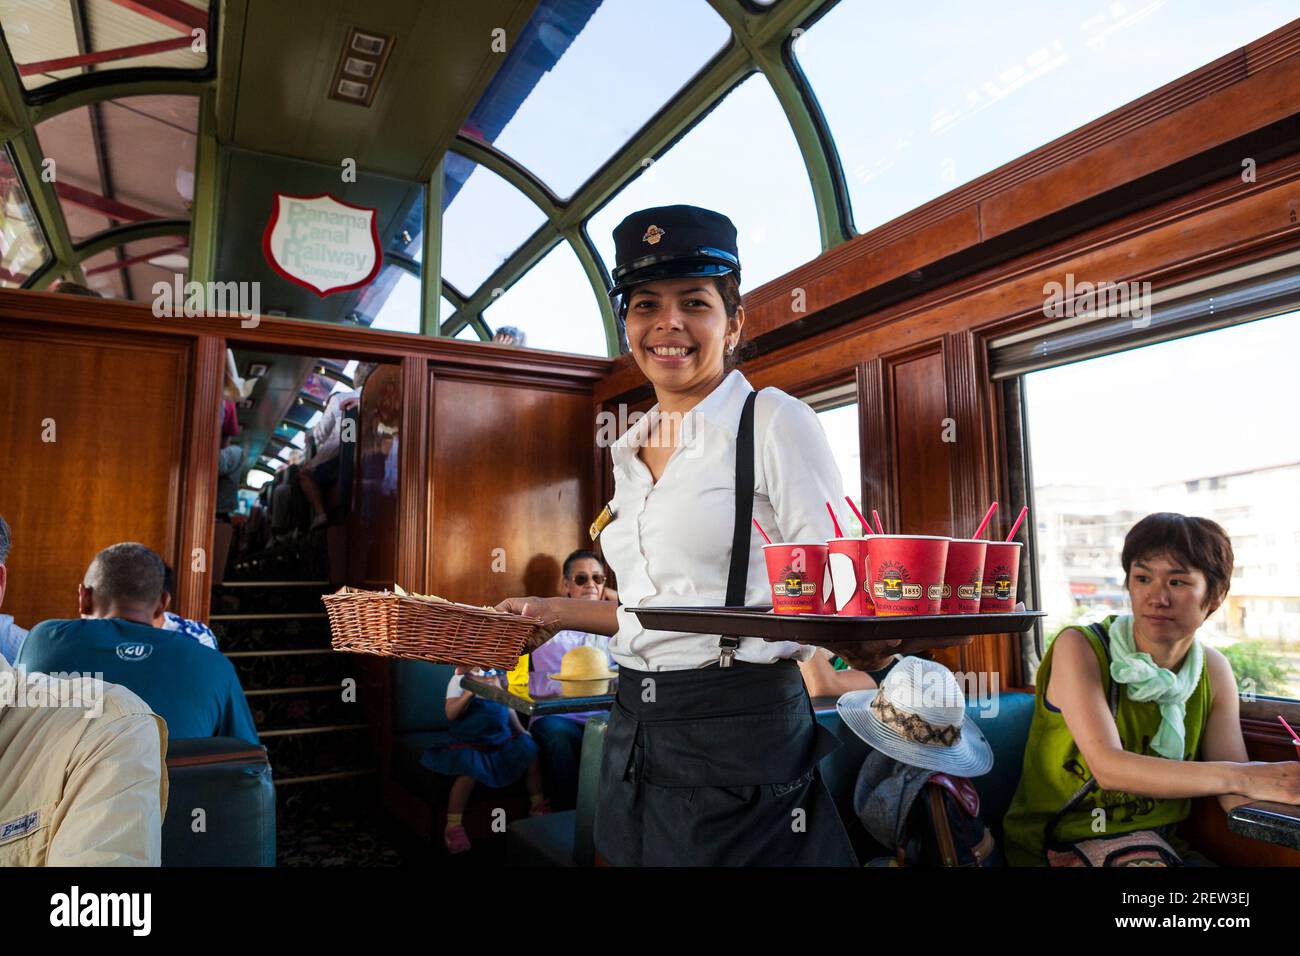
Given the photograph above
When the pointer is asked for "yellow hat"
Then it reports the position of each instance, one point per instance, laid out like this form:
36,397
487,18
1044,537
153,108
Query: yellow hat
584,662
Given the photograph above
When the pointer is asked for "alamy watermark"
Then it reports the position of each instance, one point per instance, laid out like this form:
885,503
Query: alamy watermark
191,299
1104,298
20,688
663,430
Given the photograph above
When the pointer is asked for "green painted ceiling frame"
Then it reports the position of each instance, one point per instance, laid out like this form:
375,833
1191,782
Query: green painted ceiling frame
765,37
120,89
759,39
19,130
209,173
108,239
431,254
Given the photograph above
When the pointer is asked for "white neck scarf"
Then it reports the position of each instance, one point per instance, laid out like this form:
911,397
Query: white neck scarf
1146,680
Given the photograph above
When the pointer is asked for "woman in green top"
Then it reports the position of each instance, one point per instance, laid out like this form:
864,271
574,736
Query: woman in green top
1175,733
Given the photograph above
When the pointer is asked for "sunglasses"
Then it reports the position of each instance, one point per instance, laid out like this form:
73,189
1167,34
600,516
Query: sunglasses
581,578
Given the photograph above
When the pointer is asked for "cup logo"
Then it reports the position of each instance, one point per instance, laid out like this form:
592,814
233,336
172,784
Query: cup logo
967,592
793,584
1002,583
945,592
894,584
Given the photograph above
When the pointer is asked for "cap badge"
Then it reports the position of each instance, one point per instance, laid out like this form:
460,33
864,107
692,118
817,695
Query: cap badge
653,235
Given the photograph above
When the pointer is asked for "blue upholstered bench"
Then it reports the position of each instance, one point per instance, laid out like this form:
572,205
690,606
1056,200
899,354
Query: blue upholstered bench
565,839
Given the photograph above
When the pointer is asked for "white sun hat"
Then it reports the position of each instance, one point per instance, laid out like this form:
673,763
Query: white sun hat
918,717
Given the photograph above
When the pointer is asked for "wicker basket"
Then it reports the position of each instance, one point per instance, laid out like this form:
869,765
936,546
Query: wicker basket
393,625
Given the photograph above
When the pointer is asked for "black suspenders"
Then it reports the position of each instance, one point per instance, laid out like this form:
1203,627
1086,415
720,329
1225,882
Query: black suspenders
738,576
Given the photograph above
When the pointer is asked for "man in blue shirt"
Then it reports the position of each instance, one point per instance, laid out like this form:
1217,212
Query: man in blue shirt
192,687
11,635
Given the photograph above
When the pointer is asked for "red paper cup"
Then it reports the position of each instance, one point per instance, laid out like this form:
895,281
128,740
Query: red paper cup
799,576
906,573
847,560
964,576
1001,574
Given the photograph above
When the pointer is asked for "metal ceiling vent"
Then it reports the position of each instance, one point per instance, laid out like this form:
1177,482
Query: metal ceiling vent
361,64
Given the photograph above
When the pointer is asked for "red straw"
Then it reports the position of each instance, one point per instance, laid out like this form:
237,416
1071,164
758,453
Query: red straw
876,514
985,523
866,528
761,531
834,521
1016,527
1288,727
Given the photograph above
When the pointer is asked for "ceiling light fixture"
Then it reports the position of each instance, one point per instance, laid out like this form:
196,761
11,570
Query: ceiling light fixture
360,66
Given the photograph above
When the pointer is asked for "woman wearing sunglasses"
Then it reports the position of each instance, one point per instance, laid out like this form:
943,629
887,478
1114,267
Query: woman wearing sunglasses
559,736
712,749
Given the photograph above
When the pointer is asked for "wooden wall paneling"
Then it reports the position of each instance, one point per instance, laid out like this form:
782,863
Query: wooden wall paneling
971,465
295,336
198,512
115,408
511,469
918,406
415,472
877,447
373,521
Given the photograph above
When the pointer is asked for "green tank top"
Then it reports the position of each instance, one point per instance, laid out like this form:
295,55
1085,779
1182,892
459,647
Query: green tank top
1054,769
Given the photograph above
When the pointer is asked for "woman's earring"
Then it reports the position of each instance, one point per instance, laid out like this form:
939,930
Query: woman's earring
730,349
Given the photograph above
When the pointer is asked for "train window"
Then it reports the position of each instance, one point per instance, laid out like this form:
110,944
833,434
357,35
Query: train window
123,160
981,86
50,41
484,220
837,410
393,301
24,250
741,159
1121,436
553,305
574,60
468,334
129,271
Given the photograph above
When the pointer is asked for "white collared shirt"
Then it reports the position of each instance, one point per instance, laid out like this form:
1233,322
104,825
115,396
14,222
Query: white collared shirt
670,542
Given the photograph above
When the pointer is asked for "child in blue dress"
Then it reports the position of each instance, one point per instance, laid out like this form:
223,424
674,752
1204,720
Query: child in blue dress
489,746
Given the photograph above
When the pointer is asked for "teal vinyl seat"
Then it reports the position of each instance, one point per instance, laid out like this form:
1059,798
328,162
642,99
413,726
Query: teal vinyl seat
565,839
1005,724
220,804
419,715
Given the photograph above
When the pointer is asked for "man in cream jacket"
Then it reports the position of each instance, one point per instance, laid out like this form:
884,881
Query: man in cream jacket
83,780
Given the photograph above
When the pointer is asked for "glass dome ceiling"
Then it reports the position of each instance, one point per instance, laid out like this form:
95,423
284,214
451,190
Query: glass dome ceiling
805,121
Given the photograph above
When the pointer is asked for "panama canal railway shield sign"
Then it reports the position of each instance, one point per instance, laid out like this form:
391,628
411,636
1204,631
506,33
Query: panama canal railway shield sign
322,243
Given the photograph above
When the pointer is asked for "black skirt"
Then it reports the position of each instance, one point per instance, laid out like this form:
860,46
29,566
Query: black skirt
717,767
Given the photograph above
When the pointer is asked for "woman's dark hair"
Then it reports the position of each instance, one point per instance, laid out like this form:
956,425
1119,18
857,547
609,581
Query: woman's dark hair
579,555
1193,542
728,287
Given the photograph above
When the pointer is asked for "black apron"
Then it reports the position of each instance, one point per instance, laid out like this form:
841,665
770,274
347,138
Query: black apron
717,766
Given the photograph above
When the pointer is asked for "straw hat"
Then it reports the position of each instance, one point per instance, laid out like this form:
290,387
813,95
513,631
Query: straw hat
584,663
584,688
918,717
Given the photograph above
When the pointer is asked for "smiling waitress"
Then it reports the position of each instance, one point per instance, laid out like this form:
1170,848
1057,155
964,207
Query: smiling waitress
711,752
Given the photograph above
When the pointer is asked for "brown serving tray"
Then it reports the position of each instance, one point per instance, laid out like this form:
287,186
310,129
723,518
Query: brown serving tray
829,628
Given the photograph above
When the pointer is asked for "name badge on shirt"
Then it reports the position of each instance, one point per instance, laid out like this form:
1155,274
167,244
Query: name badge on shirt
605,517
